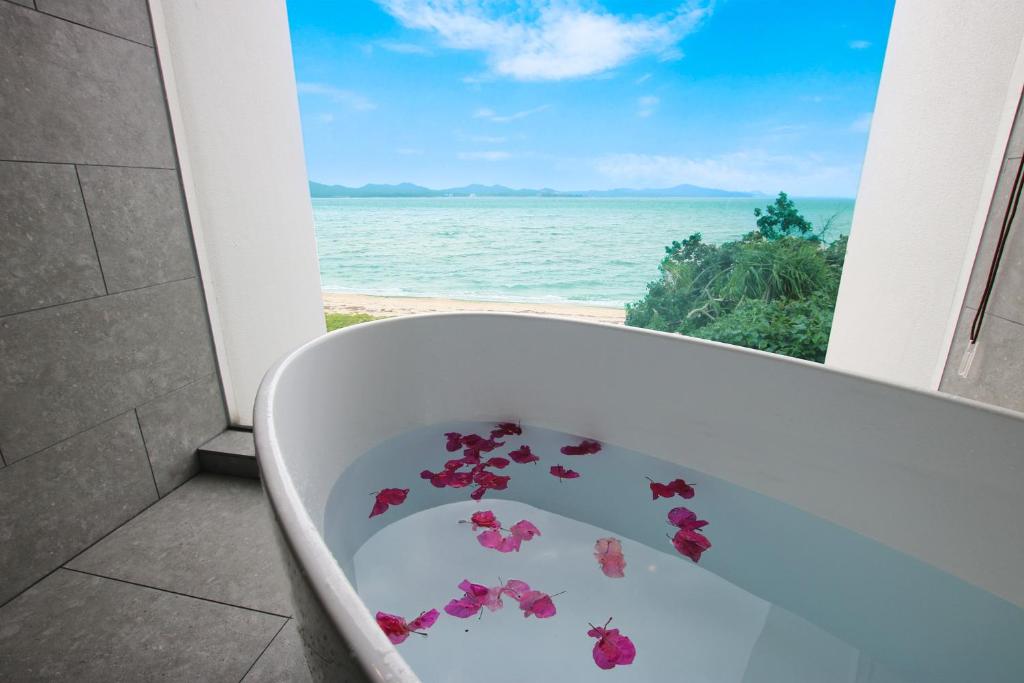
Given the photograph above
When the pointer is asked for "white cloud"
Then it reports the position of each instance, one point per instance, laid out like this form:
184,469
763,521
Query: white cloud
491,115
645,106
350,99
496,155
326,118
643,79
862,124
409,151
550,39
488,139
749,170
859,44
403,48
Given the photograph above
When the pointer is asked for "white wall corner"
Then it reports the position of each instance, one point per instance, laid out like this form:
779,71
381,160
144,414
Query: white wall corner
942,119
230,84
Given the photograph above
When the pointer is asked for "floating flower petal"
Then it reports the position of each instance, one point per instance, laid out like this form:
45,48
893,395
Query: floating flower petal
676,487
562,473
608,552
690,543
612,648
684,518
386,498
523,455
397,630
585,447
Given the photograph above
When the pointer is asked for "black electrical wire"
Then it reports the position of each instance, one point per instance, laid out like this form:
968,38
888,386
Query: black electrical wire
1008,216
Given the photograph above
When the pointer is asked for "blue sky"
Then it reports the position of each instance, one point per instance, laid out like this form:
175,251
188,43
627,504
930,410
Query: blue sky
577,94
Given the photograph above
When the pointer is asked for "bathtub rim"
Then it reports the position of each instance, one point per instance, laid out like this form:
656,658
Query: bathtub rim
378,657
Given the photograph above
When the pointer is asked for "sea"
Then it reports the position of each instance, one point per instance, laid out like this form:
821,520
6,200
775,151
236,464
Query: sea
572,250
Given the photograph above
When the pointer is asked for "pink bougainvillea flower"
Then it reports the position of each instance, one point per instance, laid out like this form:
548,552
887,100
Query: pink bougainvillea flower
470,603
515,588
387,497
490,480
684,518
484,519
506,429
523,455
690,543
521,531
496,541
612,648
397,630
676,487
524,530
562,473
454,441
536,603
499,463
474,443
608,552
585,447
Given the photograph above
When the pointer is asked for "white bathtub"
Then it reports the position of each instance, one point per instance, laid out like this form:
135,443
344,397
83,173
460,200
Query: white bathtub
934,477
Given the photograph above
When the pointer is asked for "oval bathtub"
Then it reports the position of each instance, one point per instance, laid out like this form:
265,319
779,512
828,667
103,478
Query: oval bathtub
922,491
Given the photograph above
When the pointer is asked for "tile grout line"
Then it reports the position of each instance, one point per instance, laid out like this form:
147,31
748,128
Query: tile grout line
68,438
89,546
145,447
92,233
173,592
85,163
264,651
99,296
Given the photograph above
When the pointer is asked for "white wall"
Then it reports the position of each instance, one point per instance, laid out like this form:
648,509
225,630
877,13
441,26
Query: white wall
230,83
945,105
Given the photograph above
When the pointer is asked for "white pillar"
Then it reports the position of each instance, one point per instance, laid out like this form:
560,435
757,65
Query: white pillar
950,85
230,84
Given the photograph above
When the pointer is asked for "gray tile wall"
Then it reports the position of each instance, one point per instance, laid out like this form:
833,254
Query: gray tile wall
996,374
108,381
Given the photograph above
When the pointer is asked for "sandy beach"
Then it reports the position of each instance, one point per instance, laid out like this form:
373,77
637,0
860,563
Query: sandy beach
387,307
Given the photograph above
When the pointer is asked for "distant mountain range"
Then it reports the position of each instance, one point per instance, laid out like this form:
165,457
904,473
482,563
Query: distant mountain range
411,190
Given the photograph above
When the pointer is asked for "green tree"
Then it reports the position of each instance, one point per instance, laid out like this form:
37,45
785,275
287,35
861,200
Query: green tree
781,218
773,290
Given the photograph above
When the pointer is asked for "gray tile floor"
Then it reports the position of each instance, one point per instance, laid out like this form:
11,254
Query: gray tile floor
192,589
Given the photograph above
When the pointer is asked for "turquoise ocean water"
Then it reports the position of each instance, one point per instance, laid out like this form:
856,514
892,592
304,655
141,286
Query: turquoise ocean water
592,251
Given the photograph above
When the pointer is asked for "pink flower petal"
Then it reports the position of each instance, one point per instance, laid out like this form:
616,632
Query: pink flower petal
685,518
523,455
690,543
386,498
612,648
484,519
524,530
538,604
562,473
608,552
585,447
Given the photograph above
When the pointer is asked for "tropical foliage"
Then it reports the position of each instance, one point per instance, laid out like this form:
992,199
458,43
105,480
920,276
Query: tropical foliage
774,289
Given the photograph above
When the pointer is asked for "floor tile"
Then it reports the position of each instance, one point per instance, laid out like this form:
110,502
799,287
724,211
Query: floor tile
283,660
211,538
76,627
